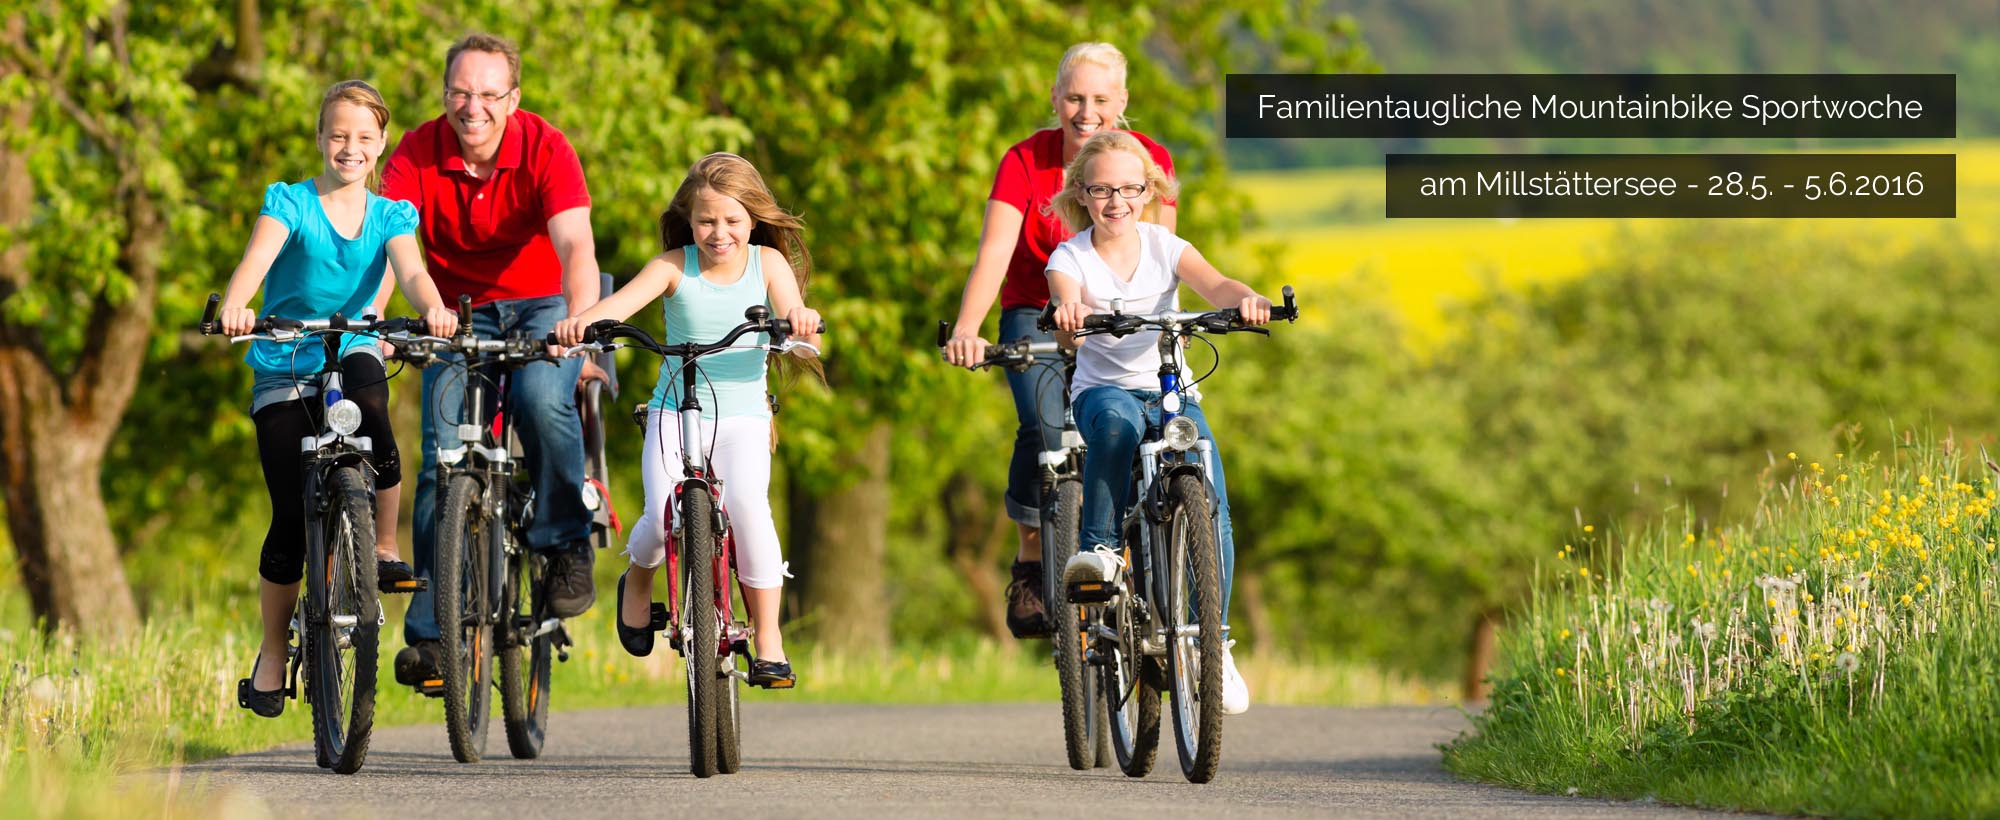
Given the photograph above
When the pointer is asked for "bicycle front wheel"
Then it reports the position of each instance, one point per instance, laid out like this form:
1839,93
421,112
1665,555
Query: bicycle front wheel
464,543
342,623
1194,656
698,612
525,662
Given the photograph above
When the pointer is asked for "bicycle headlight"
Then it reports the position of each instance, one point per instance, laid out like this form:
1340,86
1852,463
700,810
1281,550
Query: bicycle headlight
1181,433
344,417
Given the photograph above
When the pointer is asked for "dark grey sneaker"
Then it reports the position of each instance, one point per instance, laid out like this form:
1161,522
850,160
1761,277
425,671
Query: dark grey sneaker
571,589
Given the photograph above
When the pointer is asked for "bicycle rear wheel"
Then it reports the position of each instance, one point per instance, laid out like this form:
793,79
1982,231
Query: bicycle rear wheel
698,605
342,624
525,662
1194,661
464,547
1061,510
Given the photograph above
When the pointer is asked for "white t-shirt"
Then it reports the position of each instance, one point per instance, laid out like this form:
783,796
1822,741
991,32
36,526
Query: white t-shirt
1132,362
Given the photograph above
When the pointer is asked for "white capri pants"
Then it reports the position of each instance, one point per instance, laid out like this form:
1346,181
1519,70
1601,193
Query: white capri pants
741,460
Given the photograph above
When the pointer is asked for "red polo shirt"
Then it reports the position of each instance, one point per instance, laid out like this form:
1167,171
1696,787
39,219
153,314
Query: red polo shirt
489,238
1030,175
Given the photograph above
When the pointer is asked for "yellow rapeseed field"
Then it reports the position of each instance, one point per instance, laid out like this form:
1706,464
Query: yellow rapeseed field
1328,223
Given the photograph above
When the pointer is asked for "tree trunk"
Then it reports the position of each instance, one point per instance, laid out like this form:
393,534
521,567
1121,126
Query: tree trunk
56,425
841,535
1479,655
977,535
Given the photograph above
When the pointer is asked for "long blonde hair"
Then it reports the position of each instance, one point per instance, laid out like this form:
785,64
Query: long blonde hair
358,93
1072,205
734,177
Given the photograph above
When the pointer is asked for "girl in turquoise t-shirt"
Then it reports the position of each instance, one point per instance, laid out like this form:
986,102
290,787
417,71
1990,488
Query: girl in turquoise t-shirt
727,246
319,248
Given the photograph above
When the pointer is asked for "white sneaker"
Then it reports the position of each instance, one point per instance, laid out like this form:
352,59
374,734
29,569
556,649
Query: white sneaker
1235,692
1101,565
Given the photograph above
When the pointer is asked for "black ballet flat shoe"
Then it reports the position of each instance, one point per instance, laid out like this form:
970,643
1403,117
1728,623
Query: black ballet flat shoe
268,704
772,675
637,641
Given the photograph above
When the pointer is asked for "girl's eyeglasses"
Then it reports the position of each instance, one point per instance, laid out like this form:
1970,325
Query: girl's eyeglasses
1105,191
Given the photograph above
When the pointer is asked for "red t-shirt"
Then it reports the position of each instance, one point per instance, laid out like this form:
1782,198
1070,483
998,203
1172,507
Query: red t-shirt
489,238
1030,175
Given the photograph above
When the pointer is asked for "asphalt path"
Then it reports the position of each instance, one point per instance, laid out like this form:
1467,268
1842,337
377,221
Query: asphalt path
816,760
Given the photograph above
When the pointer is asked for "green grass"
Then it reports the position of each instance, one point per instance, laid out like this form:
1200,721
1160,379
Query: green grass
1837,654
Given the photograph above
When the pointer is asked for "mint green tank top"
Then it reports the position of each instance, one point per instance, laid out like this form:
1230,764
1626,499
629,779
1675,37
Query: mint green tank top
730,383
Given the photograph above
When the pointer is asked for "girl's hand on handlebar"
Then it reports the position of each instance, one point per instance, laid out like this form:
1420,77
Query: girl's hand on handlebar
1254,310
570,331
965,350
442,321
805,323
1070,316
237,321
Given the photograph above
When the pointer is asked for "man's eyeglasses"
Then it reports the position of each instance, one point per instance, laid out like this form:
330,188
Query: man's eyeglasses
454,95
1105,191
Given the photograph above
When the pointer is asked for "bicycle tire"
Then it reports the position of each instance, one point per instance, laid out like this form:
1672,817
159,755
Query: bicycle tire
1061,508
341,680
525,666
464,533
1194,662
698,564
1131,702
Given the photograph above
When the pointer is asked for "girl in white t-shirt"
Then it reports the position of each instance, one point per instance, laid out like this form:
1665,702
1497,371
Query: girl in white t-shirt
1110,186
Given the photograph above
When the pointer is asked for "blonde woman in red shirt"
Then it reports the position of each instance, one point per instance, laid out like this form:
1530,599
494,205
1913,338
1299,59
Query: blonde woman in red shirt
1088,97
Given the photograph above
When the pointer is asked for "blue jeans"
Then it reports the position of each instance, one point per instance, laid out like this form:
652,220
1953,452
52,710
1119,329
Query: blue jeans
1038,403
1113,420
541,407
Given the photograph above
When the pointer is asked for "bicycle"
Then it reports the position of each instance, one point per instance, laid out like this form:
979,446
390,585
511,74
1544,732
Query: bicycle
1084,734
489,586
698,615
339,616
1166,609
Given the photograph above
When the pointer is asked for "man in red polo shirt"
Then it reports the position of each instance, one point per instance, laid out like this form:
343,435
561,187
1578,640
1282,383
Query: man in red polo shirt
504,219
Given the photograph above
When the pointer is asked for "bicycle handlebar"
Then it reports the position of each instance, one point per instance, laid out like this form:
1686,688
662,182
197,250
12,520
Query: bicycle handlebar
1014,355
281,329
1225,320
757,319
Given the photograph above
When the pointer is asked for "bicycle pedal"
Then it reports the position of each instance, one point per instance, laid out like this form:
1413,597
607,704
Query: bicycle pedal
433,688
411,585
777,684
1091,592
660,618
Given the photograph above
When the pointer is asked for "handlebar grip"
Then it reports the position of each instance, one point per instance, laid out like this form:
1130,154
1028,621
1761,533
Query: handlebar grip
1047,321
1099,321
550,340
464,315
1291,309
208,323
944,333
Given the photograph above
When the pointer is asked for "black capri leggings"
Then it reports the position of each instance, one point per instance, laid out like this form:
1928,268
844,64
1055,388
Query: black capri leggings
279,428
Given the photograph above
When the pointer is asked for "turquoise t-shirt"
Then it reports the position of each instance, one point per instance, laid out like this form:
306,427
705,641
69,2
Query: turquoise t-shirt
319,273
731,383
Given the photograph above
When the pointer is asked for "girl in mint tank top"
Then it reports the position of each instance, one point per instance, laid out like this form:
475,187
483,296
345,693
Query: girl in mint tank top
727,246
